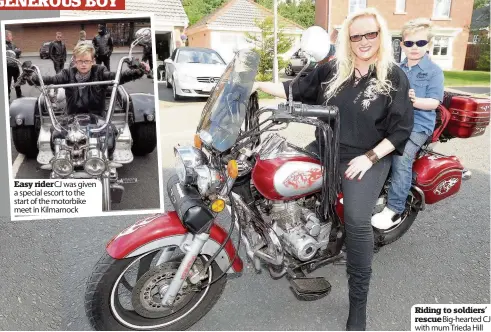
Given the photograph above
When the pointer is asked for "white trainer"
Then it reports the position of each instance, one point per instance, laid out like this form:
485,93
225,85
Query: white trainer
385,219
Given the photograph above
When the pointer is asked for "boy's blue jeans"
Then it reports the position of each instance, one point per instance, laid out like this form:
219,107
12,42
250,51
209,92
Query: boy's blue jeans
402,172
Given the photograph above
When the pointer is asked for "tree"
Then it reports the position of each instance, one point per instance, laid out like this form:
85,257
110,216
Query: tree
265,47
197,9
481,3
483,61
302,14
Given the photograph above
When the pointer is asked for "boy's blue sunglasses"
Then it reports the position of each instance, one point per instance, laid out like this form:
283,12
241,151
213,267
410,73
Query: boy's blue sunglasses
419,43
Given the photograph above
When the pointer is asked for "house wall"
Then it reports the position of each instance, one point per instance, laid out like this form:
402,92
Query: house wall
200,39
226,43
456,27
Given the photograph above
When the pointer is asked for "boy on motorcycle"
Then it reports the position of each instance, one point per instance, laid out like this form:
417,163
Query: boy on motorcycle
88,99
426,93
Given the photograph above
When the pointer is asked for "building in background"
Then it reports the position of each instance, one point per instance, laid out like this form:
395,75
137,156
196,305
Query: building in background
170,21
224,30
30,37
452,19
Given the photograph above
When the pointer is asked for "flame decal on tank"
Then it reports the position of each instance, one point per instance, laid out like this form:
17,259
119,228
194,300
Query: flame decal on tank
301,179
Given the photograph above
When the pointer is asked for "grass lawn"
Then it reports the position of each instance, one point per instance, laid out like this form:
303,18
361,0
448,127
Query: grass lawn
264,95
466,78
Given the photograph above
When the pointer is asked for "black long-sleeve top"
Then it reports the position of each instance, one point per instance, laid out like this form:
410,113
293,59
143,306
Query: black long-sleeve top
366,117
89,99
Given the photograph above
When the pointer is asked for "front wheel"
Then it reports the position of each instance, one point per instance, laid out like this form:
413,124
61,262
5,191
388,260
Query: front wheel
125,294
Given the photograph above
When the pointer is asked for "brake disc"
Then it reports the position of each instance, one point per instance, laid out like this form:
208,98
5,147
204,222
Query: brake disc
146,298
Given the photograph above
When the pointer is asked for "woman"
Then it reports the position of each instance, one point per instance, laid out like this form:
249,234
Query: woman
376,117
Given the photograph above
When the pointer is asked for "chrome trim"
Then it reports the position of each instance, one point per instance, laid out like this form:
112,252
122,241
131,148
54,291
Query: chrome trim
466,174
422,194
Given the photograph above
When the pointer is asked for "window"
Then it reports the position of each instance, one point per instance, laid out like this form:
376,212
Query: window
475,39
400,6
441,8
441,45
355,5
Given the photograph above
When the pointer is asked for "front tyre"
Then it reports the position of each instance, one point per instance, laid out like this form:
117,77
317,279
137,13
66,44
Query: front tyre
142,310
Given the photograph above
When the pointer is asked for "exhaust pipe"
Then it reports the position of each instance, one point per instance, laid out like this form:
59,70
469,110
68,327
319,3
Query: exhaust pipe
466,174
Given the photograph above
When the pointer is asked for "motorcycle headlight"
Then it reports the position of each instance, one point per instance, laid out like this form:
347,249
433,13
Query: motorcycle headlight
203,179
94,162
207,179
62,164
188,158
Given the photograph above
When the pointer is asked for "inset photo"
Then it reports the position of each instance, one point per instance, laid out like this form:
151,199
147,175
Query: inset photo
82,105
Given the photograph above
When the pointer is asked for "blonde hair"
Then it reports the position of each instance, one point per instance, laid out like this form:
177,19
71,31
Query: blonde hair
418,24
345,58
82,49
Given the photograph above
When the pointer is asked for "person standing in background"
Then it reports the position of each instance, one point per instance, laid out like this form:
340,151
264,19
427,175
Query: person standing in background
103,44
82,39
57,52
13,71
148,56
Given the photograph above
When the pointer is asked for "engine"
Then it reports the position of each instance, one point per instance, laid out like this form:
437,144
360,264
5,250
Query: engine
297,227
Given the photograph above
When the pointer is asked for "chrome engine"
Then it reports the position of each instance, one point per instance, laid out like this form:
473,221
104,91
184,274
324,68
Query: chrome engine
298,228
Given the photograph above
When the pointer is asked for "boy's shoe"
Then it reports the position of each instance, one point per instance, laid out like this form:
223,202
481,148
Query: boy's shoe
385,219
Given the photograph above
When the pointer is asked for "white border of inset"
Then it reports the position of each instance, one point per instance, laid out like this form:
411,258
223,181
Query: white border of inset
100,17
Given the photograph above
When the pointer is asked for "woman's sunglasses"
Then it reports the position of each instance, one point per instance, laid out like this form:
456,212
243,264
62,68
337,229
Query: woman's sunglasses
369,35
419,43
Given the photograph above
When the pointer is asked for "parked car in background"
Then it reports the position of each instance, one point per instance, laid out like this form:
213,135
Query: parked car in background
193,71
44,50
297,61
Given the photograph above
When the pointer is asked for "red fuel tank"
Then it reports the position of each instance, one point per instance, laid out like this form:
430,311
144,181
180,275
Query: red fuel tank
284,172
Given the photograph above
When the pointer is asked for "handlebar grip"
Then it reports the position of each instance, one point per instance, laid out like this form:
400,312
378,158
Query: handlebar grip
318,111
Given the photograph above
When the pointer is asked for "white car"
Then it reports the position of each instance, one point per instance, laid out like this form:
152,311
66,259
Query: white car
193,71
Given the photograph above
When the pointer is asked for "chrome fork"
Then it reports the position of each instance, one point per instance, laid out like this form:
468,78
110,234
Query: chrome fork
192,251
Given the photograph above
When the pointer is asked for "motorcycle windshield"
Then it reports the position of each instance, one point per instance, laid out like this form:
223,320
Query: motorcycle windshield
224,113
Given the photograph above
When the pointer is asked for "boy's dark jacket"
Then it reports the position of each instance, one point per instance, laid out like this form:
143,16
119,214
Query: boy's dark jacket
91,98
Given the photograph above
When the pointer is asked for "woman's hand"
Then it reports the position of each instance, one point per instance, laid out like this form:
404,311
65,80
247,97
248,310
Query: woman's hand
359,165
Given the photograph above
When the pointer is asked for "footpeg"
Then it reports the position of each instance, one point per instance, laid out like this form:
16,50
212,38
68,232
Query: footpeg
310,289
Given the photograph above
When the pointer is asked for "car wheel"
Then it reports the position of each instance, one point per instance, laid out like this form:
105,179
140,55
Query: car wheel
174,92
167,84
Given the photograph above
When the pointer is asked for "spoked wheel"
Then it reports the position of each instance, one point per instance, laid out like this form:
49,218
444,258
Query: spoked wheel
384,237
126,294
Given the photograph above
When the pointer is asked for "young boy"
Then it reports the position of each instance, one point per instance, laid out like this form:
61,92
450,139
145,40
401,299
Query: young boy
426,93
87,99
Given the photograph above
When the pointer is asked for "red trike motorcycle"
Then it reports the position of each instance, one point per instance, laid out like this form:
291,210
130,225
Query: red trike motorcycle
167,271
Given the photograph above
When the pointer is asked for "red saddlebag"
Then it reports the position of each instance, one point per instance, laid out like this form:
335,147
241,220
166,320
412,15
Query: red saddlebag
469,116
437,176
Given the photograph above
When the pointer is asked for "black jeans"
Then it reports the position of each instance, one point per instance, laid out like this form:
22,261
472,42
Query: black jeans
59,65
13,74
105,59
359,201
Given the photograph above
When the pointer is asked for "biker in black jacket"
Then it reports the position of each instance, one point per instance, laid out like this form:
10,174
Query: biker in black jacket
147,55
13,71
92,98
57,52
103,44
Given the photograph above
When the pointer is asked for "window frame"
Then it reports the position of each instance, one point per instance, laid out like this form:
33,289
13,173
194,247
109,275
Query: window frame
441,17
